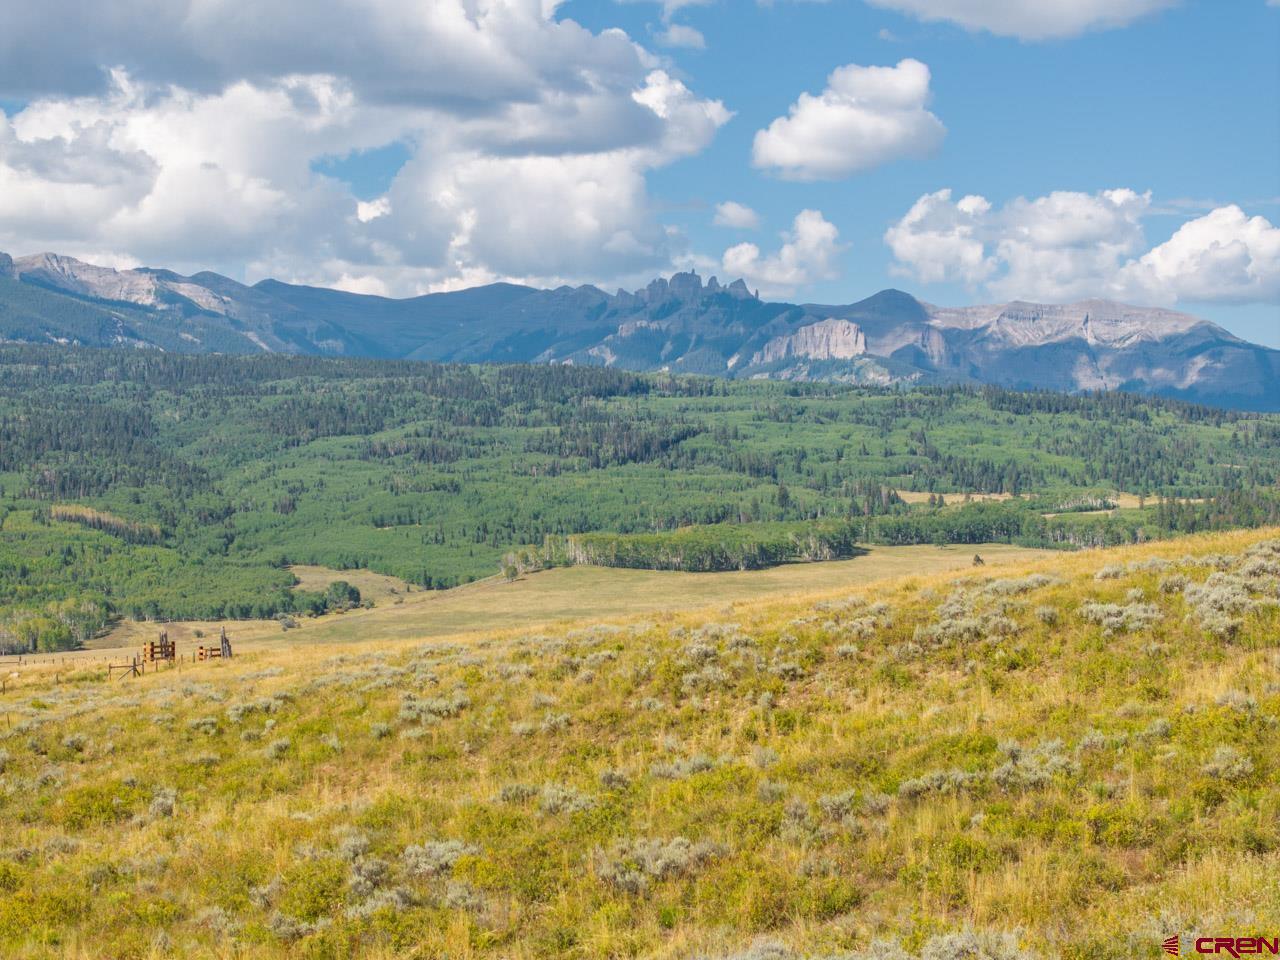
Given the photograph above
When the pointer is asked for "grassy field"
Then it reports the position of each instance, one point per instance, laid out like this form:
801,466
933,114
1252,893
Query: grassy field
918,496
377,587
1071,756
554,596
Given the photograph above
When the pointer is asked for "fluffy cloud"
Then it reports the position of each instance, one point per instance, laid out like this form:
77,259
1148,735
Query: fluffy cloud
1029,19
1224,255
939,240
682,35
180,174
1062,245
866,116
807,254
1070,245
463,54
530,141
736,215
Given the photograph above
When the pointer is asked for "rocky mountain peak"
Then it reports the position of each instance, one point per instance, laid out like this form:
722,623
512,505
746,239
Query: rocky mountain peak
688,288
893,303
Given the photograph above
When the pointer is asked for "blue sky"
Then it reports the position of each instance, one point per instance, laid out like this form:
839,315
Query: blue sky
1184,103
1127,149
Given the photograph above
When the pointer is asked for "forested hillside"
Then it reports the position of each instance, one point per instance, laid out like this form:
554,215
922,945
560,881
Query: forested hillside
146,484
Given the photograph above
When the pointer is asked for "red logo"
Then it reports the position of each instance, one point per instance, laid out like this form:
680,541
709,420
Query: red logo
1228,946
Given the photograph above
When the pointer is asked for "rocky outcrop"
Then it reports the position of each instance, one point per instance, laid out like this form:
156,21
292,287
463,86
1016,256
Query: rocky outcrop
86,280
829,339
686,287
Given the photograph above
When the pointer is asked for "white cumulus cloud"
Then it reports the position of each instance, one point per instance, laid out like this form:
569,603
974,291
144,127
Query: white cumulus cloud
530,140
462,54
1069,245
939,240
808,254
1029,19
1224,256
865,117
736,215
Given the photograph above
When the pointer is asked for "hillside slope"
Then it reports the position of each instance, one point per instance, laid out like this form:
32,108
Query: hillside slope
1075,758
681,325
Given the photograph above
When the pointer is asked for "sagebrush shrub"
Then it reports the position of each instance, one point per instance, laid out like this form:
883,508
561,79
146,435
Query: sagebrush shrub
435,858
163,803
1229,764
1117,618
555,799
632,864
1029,769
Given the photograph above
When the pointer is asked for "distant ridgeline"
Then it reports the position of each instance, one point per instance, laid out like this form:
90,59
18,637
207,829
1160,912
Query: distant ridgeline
152,485
680,325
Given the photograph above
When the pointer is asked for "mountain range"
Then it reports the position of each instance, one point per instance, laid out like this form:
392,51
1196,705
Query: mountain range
681,324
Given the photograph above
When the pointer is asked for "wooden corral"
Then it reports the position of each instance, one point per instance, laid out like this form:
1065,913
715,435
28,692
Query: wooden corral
222,651
161,649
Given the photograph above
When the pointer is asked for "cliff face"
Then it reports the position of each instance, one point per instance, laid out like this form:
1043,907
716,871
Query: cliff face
830,339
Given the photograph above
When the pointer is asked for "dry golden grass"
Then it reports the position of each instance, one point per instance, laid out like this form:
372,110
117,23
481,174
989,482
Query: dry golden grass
372,586
980,754
560,595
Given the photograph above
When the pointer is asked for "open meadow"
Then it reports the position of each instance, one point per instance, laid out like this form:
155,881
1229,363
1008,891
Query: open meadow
549,597
1071,755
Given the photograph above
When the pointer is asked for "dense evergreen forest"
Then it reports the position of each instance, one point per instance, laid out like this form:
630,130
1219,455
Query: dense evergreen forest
155,485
